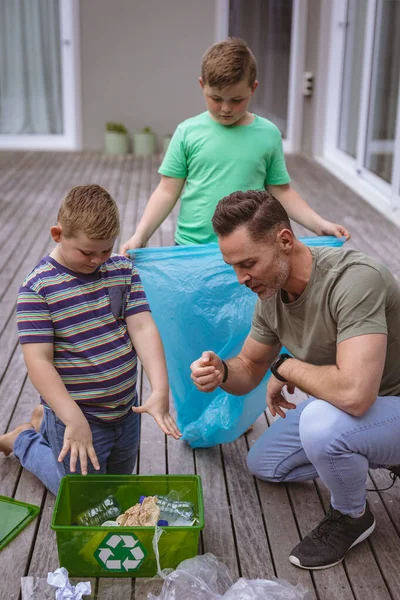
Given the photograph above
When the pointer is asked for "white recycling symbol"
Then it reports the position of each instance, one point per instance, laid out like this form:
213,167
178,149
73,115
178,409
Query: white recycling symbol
119,552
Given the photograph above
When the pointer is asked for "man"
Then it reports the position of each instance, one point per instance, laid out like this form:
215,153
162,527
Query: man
338,313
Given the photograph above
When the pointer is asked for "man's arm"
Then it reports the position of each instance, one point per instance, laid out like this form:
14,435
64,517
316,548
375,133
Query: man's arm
42,373
245,371
302,213
352,384
147,342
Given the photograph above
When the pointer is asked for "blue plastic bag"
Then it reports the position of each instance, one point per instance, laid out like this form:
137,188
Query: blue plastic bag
198,304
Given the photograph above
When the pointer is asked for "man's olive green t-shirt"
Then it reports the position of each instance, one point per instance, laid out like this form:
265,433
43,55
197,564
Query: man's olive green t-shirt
348,295
217,160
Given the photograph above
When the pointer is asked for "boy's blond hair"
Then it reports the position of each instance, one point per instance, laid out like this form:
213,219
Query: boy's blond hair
91,210
228,62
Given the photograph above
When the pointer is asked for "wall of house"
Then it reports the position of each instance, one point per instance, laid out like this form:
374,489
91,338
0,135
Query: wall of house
140,63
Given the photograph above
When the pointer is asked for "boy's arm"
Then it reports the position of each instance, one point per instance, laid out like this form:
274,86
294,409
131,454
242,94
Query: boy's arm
147,342
78,436
302,213
161,202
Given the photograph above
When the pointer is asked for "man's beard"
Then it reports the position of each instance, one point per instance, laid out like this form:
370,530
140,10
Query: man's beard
278,280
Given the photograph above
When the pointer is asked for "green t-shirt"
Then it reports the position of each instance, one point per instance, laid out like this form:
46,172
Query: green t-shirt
217,160
348,294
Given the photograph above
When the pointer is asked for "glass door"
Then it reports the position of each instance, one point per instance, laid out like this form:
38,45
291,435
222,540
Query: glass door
39,105
276,33
363,116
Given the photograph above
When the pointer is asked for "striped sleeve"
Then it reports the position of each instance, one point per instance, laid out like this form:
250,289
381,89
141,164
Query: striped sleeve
137,301
33,318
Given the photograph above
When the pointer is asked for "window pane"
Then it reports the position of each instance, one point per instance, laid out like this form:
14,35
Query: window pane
384,90
266,27
352,71
30,67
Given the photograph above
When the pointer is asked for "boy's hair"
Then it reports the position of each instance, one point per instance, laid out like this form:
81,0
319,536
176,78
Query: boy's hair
258,210
90,209
228,62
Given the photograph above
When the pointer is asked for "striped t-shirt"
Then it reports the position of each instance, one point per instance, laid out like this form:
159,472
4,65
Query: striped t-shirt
83,316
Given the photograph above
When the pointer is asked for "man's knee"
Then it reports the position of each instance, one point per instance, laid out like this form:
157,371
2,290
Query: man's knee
319,426
260,464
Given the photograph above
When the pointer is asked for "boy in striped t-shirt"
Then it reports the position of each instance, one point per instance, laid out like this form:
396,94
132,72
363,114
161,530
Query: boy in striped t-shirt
83,318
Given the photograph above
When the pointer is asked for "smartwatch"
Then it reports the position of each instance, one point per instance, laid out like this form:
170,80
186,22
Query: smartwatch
276,364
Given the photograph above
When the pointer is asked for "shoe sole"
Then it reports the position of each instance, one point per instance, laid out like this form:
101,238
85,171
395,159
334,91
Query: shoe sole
295,561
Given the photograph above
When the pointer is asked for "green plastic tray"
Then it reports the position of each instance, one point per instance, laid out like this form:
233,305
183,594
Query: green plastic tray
14,516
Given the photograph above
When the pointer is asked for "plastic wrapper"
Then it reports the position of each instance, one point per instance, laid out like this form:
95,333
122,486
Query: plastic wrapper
35,588
205,578
198,304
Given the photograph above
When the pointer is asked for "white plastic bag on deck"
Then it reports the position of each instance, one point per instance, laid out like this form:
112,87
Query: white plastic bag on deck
205,578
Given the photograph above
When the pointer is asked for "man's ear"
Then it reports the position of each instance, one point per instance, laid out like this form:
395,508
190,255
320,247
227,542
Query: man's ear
56,232
285,239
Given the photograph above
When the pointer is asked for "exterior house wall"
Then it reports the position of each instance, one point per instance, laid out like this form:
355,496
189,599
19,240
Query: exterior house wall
140,60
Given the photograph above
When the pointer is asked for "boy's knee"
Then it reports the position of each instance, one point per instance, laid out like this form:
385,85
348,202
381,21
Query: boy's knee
318,427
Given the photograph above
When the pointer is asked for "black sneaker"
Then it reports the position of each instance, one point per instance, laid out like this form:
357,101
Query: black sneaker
327,545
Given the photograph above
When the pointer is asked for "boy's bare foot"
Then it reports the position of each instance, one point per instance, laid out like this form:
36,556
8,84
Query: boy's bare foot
8,439
37,416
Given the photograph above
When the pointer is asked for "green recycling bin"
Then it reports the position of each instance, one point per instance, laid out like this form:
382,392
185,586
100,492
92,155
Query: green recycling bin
122,551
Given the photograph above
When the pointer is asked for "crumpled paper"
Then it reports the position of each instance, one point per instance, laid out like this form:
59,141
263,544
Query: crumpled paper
145,514
66,591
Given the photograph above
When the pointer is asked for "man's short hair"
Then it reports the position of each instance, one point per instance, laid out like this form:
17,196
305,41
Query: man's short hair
260,212
91,210
228,62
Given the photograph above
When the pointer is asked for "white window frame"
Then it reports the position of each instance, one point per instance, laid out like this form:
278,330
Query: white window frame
292,142
385,196
71,139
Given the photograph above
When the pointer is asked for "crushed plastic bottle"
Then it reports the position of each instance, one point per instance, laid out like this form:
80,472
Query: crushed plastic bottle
174,509
108,509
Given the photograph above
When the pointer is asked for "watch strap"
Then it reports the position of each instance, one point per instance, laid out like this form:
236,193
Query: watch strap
277,363
225,377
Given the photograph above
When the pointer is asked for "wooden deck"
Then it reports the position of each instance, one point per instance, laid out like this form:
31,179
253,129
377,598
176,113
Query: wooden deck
250,525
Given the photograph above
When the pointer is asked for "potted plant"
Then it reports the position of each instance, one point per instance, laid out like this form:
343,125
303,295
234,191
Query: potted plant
144,142
116,140
166,140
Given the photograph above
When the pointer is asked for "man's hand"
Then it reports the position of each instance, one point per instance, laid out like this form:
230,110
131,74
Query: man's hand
275,400
157,406
207,372
136,241
328,228
78,440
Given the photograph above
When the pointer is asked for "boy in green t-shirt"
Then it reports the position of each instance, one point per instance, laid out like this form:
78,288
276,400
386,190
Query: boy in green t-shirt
223,150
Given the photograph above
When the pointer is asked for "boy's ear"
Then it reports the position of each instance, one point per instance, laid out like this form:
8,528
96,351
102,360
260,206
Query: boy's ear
56,232
254,86
201,82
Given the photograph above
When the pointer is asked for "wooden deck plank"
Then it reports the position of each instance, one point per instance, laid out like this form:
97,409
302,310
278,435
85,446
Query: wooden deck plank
251,539
280,522
32,187
218,534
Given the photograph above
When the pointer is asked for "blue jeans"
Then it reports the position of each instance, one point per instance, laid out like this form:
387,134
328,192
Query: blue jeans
319,440
116,447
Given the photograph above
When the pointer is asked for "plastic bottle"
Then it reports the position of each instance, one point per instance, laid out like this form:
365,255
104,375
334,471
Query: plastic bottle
174,509
108,509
